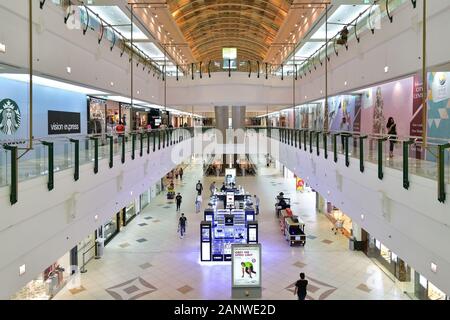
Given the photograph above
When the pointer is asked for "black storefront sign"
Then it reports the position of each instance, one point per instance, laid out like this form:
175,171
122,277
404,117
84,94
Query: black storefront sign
62,122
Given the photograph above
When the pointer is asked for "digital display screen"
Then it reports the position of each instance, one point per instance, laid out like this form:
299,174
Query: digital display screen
205,234
209,217
246,265
206,251
252,235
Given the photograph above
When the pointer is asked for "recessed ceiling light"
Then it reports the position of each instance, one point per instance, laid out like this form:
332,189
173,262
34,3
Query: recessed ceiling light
433,267
138,92
112,84
156,16
69,69
22,270
386,69
345,83
2,47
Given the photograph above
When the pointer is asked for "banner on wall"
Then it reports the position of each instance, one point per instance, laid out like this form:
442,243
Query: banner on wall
61,122
416,126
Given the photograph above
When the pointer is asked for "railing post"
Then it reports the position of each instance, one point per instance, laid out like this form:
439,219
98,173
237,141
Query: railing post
305,133
406,145
346,136
153,133
361,152
148,142
325,144
133,145
310,141
123,148
141,144
111,150
76,174
159,139
380,157
50,162
317,142
300,138
95,139
167,137
295,138
292,137
14,173
171,136
441,172
335,135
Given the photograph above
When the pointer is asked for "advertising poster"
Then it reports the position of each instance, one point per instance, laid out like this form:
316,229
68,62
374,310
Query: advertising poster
416,127
246,265
300,184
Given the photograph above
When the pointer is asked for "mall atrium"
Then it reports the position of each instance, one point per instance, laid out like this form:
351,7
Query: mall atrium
216,149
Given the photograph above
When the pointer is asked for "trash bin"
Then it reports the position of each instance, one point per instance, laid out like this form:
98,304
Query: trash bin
351,244
100,243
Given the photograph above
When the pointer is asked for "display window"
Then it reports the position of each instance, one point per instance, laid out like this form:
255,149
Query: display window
145,198
434,293
97,116
47,284
385,253
110,229
112,116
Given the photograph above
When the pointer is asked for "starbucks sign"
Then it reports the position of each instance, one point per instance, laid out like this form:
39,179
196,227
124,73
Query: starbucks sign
9,116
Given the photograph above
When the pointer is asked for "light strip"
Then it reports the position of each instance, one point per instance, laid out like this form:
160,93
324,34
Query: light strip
50,83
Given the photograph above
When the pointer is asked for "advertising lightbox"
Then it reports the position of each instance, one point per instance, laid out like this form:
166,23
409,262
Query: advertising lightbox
246,265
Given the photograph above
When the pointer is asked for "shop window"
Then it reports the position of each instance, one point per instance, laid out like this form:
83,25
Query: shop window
385,253
434,293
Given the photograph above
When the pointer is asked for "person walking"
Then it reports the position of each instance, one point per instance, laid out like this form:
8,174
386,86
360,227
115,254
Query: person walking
182,223
177,173
198,203
212,188
180,172
199,187
300,287
256,204
392,132
178,199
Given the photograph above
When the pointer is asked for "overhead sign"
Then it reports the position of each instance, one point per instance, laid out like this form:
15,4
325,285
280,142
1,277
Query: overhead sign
61,122
246,265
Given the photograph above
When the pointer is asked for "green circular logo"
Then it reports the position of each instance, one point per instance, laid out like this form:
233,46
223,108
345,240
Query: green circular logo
9,116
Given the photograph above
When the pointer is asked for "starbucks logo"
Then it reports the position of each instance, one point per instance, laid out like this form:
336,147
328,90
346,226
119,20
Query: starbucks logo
9,116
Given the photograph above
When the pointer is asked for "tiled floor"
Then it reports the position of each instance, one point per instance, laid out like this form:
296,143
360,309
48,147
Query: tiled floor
167,267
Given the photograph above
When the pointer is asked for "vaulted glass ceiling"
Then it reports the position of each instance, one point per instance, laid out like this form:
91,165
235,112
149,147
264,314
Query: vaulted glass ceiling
248,25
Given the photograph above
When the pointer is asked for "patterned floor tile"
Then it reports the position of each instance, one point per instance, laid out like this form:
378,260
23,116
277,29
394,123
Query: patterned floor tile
142,224
311,237
77,290
327,241
156,221
299,264
141,240
131,289
148,218
317,290
363,287
145,265
124,245
185,289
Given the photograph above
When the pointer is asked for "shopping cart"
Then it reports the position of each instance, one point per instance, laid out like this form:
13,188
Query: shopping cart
338,226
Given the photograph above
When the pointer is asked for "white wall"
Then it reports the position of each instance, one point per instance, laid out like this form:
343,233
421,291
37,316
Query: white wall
56,47
412,223
42,226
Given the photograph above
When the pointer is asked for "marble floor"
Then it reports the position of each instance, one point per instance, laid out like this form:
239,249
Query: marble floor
148,260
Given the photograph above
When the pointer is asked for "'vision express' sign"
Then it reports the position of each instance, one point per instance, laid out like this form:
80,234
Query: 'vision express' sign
61,122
